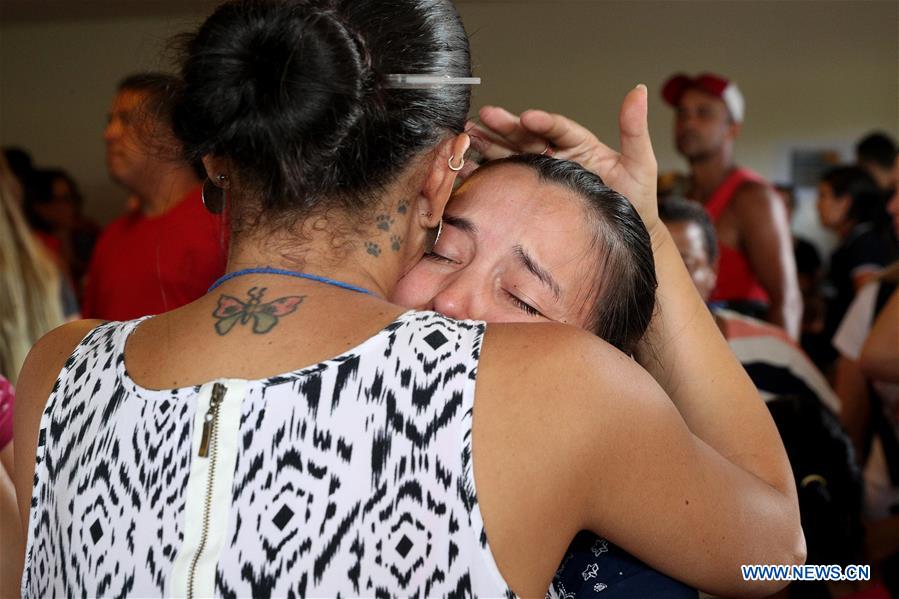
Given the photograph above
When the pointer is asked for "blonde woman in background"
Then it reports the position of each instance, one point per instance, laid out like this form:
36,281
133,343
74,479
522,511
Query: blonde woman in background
30,306
30,283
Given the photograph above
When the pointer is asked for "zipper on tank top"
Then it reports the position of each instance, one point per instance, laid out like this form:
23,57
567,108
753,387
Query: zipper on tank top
208,449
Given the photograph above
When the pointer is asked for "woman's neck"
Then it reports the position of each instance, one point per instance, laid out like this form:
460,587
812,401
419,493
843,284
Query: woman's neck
374,260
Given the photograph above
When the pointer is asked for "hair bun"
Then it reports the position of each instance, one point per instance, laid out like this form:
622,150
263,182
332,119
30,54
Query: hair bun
288,92
269,71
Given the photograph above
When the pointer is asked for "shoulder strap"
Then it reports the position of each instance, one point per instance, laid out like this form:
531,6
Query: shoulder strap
722,196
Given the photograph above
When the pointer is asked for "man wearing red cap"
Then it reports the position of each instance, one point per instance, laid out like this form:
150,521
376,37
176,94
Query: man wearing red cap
757,270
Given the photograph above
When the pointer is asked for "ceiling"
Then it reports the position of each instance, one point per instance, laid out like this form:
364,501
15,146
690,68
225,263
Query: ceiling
46,10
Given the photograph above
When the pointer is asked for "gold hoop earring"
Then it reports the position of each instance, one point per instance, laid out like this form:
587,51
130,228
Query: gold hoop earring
432,236
455,168
213,195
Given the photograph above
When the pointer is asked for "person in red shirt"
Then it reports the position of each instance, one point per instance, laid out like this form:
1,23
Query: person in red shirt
167,252
757,271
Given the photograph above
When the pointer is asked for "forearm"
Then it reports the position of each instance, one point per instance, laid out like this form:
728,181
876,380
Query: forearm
785,311
852,389
12,548
686,353
880,354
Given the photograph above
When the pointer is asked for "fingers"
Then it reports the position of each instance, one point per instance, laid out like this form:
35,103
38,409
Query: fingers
636,144
571,140
561,132
490,145
508,126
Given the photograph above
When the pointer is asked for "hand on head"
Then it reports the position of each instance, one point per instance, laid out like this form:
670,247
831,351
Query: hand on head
631,172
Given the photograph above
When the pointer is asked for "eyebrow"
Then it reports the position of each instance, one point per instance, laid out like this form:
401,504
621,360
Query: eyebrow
460,223
538,271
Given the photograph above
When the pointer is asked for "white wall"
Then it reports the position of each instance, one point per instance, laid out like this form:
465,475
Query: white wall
815,73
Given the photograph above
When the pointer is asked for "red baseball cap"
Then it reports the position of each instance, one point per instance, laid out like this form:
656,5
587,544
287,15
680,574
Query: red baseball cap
716,85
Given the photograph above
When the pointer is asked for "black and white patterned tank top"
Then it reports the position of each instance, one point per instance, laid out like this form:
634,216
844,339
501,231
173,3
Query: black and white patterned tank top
352,477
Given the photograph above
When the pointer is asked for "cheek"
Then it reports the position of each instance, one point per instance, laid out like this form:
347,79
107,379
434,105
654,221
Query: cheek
418,287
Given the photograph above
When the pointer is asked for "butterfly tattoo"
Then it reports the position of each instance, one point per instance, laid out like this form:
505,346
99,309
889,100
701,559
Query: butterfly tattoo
231,310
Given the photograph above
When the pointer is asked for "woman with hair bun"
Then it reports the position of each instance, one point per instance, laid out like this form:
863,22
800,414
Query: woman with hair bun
292,433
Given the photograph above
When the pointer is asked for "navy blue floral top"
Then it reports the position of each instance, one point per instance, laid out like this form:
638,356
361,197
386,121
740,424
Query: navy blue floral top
595,568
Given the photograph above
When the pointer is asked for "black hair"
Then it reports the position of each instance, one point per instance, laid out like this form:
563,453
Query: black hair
38,190
878,148
161,92
625,287
868,201
20,163
293,96
675,209
828,479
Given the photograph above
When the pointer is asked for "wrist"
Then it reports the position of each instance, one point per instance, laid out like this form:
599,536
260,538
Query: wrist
658,236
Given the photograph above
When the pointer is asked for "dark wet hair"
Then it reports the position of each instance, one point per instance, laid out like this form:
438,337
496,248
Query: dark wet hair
292,94
626,286
828,479
675,209
868,201
878,148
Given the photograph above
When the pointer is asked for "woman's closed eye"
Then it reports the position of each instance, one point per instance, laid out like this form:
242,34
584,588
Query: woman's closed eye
524,306
440,258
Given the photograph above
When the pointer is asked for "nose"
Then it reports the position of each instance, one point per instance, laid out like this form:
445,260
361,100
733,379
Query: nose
463,297
687,117
452,301
111,131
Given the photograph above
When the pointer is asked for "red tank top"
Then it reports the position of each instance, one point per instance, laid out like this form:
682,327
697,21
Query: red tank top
736,281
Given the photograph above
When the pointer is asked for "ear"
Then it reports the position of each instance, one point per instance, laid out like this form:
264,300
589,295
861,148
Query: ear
438,184
735,129
214,168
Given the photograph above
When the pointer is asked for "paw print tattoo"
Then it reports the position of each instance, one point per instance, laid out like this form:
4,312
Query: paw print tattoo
373,248
403,207
396,242
384,222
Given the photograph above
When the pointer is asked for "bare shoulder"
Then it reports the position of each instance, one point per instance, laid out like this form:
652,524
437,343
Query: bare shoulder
48,356
557,383
548,360
33,387
759,209
547,397
41,368
752,196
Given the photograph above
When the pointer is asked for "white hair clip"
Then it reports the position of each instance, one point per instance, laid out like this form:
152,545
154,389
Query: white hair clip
428,81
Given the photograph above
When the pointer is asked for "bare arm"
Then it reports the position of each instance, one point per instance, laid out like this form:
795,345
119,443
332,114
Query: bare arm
765,236
851,387
569,433
36,380
12,549
672,476
880,354
686,354
685,351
